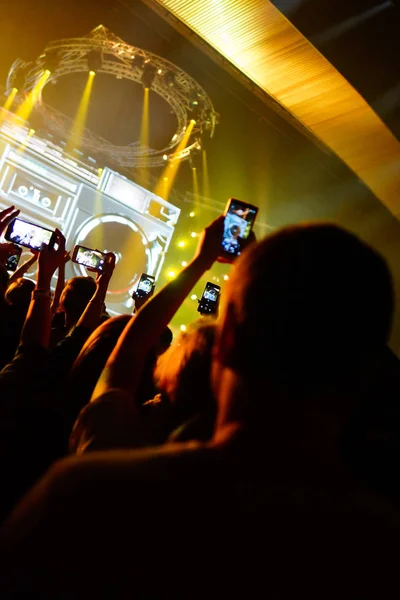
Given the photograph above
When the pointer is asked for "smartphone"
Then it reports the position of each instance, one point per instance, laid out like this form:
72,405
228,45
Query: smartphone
145,286
208,304
239,221
13,258
28,234
87,257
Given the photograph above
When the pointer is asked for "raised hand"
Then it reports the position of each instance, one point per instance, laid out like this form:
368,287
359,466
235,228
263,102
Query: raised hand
210,239
50,259
6,250
104,276
6,216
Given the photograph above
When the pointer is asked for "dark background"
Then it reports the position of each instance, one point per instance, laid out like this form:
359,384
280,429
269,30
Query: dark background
254,155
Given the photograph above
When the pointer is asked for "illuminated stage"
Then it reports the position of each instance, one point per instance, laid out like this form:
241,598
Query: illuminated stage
108,212
51,174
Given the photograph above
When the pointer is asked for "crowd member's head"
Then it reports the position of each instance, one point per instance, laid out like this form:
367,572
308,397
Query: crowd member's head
182,373
75,297
19,294
91,360
304,310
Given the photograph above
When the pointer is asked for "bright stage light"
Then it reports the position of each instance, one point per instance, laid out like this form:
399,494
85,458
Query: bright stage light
148,75
193,297
78,126
10,100
144,133
193,234
184,263
204,170
163,189
226,277
192,214
25,109
94,60
181,244
183,328
171,274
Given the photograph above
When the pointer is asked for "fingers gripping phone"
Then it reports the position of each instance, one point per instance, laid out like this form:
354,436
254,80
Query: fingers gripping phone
89,258
239,221
13,258
29,234
208,304
145,286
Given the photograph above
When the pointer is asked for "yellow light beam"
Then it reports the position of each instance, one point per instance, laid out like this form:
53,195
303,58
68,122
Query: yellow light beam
25,109
195,185
22,146
10,99
144,134
78,127
261,43
167,179
206,179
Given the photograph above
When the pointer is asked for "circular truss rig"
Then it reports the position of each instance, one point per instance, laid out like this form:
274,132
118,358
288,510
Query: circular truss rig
103,52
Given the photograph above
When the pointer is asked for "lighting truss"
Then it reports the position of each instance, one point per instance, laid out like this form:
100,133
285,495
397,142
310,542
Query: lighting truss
124,62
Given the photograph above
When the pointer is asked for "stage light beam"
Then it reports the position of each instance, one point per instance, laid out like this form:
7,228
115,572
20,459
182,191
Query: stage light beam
206,180
195,185
145,133
10,99
167,179
25,109
78,127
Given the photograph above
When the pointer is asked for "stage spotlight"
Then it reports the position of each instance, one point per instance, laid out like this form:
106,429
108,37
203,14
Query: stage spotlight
51,61
169,79
193,99
138,61
94,60
195,158
148,75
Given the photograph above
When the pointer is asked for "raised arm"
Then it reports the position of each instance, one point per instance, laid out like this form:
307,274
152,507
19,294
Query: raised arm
20,272
6,216
37,324
124,367
90,318
60,283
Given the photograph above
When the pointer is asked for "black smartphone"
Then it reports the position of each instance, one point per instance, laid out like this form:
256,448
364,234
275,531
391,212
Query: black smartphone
145,286
208,304
239,221
89,258
13,258
28,234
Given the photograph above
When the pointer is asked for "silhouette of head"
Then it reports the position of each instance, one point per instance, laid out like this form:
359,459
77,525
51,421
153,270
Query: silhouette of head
305,305
76,295
19,293
183,370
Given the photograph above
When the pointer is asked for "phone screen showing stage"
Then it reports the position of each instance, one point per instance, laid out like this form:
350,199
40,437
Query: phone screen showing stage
89,258
208,304
28,234
239,221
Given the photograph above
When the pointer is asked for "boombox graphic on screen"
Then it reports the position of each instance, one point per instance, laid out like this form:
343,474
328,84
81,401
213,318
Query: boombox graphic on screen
109,214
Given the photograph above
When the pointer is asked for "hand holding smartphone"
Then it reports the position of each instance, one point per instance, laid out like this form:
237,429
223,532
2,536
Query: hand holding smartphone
208,304
93,260
10,255
145,287
238,225
30,235
12,261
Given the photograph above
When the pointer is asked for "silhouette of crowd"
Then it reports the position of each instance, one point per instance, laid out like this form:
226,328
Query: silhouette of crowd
255,454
